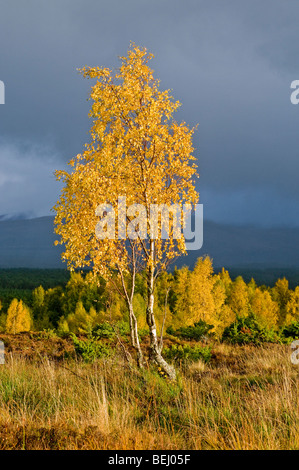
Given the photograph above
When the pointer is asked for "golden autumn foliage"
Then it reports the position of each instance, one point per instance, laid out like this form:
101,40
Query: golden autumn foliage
223,314
18,317
181,309
265,308
238,298
201,296
81,321
292,306
201,284
281,294
138,152
225,280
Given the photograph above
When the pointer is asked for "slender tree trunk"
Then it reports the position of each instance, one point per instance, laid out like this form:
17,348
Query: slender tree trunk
150,318
132,335
135,338
163,322
132,318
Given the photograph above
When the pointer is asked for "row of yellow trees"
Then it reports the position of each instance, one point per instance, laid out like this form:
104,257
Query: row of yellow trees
216,299
183,297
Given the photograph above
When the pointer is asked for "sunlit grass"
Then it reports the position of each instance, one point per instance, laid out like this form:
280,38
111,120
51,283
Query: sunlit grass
245,398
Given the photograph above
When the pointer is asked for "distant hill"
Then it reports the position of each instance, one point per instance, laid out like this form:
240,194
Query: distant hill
29,243
248,246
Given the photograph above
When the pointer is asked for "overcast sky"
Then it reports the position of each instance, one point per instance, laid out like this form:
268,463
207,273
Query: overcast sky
229,62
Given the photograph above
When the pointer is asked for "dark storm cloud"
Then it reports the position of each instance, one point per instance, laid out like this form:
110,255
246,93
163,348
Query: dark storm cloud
230,63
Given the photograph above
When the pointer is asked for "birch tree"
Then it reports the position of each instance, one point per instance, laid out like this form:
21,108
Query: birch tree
140,157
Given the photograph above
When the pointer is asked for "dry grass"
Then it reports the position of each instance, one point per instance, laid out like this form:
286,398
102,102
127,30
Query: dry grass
246,398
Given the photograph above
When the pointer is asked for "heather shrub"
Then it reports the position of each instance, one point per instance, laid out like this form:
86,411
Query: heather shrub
193,332
90,349
103,330
187,353
290,332
248,330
